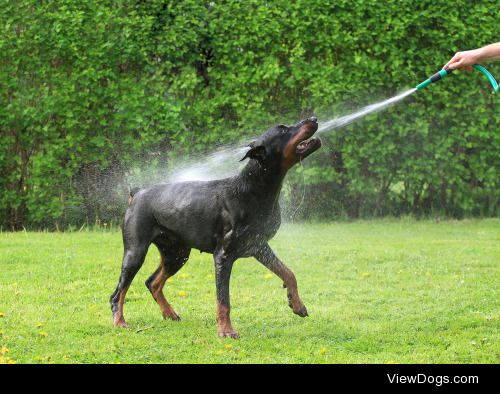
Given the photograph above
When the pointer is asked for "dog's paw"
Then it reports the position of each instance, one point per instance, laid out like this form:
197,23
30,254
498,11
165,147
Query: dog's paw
175,317
120,323
299,309
230,333
171,316
168,313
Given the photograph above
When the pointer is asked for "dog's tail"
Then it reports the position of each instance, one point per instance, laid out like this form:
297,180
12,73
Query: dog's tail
133,191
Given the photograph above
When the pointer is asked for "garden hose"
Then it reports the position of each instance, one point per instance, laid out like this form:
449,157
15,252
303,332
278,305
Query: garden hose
494,83
443,73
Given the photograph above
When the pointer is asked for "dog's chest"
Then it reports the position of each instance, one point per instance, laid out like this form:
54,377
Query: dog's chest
249,234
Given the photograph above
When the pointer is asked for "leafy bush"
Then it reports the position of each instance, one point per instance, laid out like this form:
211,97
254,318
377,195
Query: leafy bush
93,90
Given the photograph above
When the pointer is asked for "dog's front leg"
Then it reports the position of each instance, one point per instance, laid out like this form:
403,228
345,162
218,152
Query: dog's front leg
266,256
223,265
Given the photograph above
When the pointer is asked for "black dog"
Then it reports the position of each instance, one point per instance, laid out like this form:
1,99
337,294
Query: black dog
230,218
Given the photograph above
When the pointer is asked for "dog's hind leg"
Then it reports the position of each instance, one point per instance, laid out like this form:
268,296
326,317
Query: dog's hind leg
171,261
139,229
132,261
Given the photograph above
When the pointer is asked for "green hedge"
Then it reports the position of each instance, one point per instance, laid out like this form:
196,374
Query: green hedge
93,90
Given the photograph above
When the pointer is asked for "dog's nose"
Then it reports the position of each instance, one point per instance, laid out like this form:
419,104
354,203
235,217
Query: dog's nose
313,119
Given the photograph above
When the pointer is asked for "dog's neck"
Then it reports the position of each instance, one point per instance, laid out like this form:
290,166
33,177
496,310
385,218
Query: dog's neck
261,181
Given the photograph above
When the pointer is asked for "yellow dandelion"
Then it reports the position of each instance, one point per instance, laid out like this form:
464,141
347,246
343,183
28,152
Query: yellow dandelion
184,276
11,362
2,314
38,325
170,280
269,276
182,293
228,346
4,350
43,334
391,362
322,350
365,274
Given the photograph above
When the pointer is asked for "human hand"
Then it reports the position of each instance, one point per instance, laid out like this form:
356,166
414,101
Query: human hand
463,61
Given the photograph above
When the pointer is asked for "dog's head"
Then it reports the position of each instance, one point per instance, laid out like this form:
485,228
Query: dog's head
285,146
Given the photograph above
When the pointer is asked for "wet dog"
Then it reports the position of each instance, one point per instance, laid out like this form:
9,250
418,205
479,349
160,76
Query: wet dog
229,218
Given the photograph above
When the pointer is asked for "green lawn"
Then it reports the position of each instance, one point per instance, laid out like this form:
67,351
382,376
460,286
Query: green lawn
398,291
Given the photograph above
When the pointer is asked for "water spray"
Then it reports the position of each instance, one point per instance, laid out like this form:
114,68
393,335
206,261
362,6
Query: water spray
220,164
345,120
443,73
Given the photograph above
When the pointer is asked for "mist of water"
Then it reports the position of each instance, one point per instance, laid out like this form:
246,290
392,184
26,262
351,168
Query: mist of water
220,164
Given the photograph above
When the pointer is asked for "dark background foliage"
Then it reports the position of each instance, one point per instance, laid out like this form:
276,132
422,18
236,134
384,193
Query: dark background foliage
91,90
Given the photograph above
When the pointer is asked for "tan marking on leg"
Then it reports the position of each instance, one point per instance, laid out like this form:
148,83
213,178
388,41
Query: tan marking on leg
118,319
290,283
224,327
156,288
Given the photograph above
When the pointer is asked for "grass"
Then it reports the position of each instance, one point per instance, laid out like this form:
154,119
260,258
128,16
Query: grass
398,291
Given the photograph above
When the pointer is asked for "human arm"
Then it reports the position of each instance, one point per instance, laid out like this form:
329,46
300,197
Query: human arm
464,60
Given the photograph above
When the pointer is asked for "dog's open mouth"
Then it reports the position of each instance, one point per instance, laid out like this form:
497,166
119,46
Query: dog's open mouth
307,145
305,148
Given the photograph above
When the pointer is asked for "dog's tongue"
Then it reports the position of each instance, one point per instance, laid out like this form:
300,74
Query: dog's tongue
306,145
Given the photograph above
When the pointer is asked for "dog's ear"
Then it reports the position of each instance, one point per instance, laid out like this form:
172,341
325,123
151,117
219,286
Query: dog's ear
256,152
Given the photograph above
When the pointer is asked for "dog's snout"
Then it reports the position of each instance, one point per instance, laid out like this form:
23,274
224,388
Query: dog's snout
311,121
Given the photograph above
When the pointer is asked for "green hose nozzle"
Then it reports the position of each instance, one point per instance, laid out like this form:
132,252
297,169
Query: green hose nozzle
443,73
436,77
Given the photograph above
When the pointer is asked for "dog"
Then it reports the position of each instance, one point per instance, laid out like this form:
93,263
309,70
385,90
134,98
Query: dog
229,218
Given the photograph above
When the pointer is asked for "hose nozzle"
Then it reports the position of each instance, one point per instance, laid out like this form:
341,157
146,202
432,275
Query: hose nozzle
436,77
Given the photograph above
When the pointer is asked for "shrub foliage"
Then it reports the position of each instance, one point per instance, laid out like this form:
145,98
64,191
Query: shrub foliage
91,90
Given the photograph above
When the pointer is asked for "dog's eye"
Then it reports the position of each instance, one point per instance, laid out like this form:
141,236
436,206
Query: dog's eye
283,129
